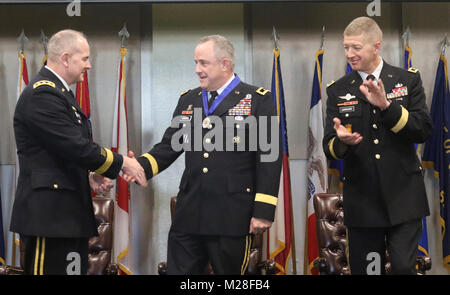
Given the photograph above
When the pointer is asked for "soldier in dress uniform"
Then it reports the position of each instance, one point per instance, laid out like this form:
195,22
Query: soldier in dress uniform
59,163
375,115
228,192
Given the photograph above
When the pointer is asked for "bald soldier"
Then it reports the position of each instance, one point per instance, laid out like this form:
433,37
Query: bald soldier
375,115
59,164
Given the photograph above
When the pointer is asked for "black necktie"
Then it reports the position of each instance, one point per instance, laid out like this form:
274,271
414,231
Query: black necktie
371,77
211,99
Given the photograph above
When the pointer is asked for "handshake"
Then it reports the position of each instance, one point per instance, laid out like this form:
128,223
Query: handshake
132,171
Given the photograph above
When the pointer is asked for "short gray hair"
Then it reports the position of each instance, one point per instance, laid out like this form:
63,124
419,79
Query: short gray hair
63,40
223,48
366,26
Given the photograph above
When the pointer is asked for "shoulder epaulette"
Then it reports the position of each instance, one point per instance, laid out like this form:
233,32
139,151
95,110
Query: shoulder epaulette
413,70
331,83
262,91
44,82
184,92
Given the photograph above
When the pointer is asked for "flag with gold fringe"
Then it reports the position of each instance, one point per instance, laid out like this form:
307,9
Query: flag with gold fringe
317,161
122,217
423,243
82,95
22,79
280,235
437,151
407,57
22,82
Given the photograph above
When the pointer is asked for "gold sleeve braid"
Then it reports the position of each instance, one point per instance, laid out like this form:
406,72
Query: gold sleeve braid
401,122
108,161
268,199
153,163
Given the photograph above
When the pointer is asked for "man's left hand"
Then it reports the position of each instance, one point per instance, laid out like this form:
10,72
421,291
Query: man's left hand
375,94
259,225
100,184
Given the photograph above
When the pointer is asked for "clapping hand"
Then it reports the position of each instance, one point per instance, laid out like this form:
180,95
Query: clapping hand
344,135
375,93
100,184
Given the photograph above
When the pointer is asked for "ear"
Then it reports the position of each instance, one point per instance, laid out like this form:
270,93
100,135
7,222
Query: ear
65,56
226,64
377,46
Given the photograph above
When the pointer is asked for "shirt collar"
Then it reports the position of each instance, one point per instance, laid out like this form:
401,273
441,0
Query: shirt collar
376,73
221,89
59,77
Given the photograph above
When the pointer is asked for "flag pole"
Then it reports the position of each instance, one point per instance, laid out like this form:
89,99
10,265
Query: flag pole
124,35
307,253
306,264
322,38
22,39
445,44
123,227
406,35
44,41
275,37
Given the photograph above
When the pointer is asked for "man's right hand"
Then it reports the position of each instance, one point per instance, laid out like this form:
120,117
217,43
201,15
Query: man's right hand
344,135
132,170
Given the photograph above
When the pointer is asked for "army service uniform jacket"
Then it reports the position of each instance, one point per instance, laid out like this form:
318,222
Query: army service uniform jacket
220,191
55,152
383,177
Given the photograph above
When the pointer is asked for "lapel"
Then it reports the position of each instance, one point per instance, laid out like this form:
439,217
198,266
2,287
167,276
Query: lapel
46,74
198,99
355,81
388,77
230,101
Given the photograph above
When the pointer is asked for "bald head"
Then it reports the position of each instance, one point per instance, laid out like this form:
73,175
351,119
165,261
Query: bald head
68,55
64,41
223,48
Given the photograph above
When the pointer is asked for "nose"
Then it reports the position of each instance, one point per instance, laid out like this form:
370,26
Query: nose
197,68
88,65
349,53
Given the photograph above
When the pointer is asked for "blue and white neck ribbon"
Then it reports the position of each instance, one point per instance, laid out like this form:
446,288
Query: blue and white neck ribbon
208,111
